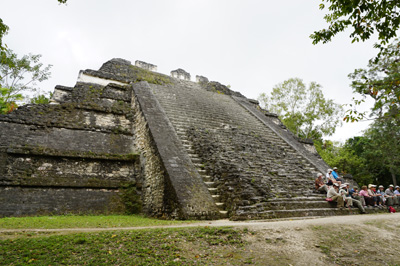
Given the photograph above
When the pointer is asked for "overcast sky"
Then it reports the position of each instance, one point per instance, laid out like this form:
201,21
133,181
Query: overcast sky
251,45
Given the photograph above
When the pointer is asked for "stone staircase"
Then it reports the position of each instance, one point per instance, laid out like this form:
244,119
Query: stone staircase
180,125
249,170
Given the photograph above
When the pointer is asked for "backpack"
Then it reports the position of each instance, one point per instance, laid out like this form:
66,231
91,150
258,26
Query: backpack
391,209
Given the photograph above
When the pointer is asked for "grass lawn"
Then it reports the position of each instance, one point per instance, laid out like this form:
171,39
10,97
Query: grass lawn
75,221
183,246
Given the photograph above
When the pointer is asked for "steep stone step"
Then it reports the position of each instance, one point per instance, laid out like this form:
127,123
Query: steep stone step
220,205
290,205
272,214
223,214
213,190
311,198
210,184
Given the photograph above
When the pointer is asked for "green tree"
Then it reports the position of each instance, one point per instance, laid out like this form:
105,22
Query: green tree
364,17
383,149
304,110
381,81
19,76
3,32
347,158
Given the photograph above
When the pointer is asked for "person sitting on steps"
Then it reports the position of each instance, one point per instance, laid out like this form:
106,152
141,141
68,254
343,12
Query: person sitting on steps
397,192
346,197
350,201
356,195
329,178
336,176
367,198
320,186
376,198
381,194
335,196
391,198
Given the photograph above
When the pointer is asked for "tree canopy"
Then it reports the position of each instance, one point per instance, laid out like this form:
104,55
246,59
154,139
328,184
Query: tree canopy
371,158
381,81
364,17
304,110
18,76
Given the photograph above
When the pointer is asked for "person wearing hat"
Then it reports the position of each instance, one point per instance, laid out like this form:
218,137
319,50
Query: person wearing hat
329,178
356,195
367,198
335,196
320,185
336,175
345,191
381,193
391,198
397,191
374,196
345,194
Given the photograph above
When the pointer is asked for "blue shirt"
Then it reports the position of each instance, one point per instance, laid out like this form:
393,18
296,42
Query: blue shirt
335,175
351,192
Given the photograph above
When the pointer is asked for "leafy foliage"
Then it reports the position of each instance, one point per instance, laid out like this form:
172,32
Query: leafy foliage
346,158
3,31
383,149
41,99
371,158
364,17
305,111
18,76
381,81
131,199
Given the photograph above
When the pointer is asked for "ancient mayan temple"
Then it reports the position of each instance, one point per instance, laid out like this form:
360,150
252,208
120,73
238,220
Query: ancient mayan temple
191,150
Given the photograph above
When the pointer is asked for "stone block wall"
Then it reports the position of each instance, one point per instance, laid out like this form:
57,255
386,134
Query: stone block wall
71,156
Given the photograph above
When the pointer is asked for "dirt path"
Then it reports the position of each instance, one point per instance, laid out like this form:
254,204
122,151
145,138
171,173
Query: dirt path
253,225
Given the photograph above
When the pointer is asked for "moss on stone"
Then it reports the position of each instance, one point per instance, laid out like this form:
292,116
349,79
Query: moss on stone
151,77
130,198
39,150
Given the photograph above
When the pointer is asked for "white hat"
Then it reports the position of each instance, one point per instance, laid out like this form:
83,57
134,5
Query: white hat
319,174
380,186
343,185
329,170
335,168
336,184
391,186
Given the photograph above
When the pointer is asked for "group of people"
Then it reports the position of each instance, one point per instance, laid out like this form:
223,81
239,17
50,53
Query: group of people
370,196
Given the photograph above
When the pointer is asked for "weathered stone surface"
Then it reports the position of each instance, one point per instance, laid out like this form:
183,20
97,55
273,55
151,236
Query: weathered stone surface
55,171
193,151
181,181
71,156
201,79
22,201
180,74
145,65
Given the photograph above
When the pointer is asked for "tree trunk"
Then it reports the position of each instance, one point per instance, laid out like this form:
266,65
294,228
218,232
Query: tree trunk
393,176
